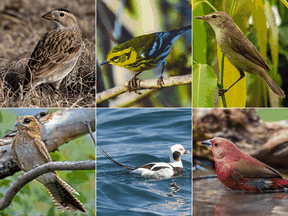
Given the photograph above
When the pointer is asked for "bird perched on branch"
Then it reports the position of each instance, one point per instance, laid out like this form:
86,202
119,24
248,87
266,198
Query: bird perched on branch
157,169
239,50
57,52
240,171
144,52
29,151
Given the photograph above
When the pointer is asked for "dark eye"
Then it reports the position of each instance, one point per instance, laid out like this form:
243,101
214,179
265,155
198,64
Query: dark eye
116,58
26,121
216,144
61,14
214,16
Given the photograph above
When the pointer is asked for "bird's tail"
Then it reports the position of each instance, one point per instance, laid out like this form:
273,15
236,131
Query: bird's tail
62,196
111,159
272,85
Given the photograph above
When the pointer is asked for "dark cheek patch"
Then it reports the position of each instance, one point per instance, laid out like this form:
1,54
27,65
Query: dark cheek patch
176,155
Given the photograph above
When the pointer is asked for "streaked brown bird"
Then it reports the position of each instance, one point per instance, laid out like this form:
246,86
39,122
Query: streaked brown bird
29,151
239,50
57,52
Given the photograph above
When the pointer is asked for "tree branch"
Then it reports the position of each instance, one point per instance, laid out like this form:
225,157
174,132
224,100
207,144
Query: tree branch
144,84
57,128
34,173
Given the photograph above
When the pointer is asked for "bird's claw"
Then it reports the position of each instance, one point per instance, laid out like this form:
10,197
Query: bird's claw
160,81
221,92
133,85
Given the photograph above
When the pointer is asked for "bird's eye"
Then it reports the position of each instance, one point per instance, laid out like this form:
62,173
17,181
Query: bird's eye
26,121
214,16
115,59
61,14
216,144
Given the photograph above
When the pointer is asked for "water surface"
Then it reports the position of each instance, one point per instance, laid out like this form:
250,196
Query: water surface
134,137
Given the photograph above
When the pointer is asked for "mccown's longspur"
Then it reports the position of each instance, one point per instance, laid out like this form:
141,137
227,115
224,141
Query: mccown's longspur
144,52
57,52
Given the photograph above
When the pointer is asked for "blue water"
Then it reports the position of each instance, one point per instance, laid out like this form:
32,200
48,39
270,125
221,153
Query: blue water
134,137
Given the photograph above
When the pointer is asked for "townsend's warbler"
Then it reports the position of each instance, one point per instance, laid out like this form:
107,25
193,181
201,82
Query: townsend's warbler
144,52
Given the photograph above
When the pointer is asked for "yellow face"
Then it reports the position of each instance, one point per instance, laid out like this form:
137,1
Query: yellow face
123,57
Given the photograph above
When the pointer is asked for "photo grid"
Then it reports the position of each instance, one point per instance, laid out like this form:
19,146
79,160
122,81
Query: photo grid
143,107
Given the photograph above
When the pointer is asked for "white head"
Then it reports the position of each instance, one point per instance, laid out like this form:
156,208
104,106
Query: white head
176,151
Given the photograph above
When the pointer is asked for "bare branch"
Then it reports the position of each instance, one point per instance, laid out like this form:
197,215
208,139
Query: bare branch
34,173
144,84
57,128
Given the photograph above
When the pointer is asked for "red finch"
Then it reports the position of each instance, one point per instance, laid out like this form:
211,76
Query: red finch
29,151
240,171
58,50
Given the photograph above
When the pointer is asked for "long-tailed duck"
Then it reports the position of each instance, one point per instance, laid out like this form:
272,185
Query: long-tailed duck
158,169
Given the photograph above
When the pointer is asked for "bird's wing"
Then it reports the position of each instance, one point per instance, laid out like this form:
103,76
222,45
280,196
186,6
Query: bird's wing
250,52
147,166
54,49
154,166
43,150
255,169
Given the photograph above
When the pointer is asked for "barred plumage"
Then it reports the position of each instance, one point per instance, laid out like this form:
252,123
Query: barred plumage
144,52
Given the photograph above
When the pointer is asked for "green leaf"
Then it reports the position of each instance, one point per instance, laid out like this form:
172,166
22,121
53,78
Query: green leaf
204,84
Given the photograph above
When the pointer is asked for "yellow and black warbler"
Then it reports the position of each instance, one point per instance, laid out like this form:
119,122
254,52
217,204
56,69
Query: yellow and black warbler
144,52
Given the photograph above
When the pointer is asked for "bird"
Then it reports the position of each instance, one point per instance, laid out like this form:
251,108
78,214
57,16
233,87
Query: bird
239,50
240,171
29,151
157,169
57,51
144,52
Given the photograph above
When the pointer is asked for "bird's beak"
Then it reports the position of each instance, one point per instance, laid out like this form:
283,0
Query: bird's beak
104,62
207,143
186,152
17,124
48,16
200,17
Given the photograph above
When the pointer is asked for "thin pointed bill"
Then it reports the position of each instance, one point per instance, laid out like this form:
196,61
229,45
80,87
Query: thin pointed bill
200,17
207,143
104,62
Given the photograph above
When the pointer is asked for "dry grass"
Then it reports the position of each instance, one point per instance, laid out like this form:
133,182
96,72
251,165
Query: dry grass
21,27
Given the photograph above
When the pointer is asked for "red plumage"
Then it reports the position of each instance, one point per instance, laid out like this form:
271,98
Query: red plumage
240,171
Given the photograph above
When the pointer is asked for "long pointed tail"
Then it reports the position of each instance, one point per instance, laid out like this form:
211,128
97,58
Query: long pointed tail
62,197
272,85
119,164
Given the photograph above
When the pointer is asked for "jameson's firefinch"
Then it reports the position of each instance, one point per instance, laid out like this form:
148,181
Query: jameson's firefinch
240,171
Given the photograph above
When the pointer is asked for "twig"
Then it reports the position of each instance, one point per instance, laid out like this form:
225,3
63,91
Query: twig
90,132
34,173
144,84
